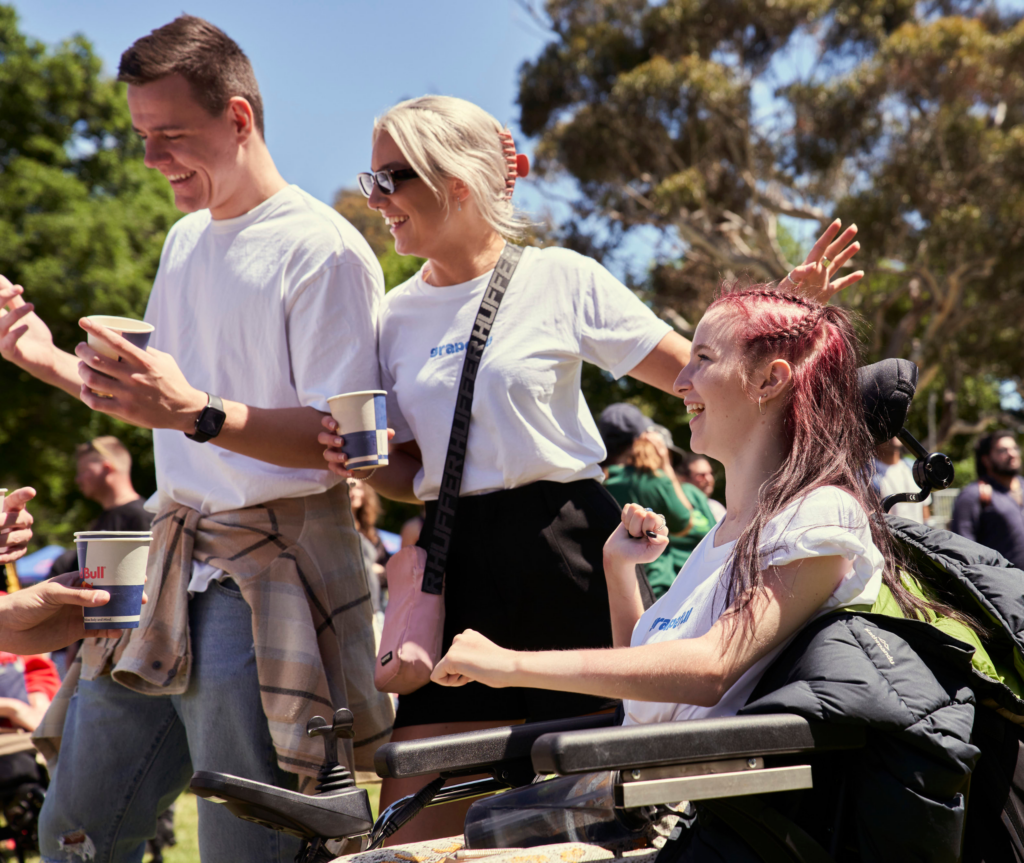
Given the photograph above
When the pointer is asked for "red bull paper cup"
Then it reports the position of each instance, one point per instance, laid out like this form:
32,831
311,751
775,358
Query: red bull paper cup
115,563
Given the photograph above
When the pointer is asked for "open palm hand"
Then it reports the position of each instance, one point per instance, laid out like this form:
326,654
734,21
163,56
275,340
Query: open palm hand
832,251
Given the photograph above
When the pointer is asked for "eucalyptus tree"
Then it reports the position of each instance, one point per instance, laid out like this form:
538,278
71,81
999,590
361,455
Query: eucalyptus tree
727,124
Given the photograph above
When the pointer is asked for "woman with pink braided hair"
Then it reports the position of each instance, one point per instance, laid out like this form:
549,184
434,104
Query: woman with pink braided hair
524,564
772,389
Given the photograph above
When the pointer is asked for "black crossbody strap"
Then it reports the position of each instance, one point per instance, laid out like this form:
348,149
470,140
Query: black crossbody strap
455,460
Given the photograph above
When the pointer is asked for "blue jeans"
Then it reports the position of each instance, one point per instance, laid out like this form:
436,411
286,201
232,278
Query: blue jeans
125,757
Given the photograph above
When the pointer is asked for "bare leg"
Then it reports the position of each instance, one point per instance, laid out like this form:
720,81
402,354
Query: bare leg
439,821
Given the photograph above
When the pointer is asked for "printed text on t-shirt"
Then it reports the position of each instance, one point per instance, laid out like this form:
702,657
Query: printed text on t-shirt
662,623
452,348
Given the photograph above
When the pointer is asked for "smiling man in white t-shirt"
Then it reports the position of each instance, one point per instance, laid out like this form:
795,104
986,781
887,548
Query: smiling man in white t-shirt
265,304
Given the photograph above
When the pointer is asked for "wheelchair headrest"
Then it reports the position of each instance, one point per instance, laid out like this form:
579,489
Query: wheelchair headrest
887,388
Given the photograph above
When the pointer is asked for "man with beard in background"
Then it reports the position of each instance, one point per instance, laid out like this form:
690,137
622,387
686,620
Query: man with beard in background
990,510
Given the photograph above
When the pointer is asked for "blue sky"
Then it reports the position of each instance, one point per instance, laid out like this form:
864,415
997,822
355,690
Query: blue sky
327,69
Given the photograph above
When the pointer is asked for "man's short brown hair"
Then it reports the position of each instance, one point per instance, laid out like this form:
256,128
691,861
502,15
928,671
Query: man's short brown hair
204,55
110,449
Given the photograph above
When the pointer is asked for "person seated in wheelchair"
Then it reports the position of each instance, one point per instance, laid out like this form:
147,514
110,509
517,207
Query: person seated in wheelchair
897,700
773,392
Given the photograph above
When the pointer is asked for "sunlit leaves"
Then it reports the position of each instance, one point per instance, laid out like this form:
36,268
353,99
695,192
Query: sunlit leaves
713,121
82,222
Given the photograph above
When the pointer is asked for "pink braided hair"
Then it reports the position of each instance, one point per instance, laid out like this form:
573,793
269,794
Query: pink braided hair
816,312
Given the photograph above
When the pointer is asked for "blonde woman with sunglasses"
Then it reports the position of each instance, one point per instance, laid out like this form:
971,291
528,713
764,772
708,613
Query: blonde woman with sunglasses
524,565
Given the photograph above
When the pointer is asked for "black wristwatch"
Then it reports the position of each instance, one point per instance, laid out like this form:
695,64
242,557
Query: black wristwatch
210,420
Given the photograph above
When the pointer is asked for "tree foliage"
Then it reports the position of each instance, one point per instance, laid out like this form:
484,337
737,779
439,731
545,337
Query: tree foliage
351,203
906,117
82,222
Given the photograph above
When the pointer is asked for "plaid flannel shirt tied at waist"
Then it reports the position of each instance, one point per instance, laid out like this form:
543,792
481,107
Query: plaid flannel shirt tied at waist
299,565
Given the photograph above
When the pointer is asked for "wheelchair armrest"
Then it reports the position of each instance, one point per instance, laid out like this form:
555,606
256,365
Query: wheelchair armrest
320,816
474,751
689,741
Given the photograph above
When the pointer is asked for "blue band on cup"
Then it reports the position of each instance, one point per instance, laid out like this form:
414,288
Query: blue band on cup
121,612
140,340
358,444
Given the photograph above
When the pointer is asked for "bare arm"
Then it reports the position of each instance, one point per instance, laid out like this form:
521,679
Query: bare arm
660,367
396,480
690,671
281,436
148,389
26,341
629,544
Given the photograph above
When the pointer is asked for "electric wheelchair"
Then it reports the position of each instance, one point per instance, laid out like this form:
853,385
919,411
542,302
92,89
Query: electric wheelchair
773,784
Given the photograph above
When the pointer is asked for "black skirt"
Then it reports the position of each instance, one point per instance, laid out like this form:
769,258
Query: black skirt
525,569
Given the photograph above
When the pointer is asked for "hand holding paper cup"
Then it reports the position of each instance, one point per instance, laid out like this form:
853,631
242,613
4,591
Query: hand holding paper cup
136,332
363,424
115,562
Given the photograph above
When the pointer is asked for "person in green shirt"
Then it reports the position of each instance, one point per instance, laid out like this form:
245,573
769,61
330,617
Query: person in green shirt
639,470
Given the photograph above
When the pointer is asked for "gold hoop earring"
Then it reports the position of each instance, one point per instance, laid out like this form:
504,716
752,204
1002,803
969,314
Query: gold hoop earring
760,409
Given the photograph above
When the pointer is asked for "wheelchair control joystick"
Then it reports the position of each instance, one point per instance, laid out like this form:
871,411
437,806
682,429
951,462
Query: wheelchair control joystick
338,809
332,775
931,471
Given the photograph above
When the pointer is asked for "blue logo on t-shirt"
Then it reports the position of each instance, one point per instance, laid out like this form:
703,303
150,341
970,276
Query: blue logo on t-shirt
452,348
662,623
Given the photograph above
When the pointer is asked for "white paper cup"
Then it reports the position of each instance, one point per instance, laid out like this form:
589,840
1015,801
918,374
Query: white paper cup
115,563
136,332
363,422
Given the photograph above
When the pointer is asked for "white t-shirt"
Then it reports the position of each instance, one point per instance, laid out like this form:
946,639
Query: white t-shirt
896,478
529,420
827,521
275,309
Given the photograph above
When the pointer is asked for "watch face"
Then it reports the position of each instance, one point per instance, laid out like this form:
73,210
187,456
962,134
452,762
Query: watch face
210,422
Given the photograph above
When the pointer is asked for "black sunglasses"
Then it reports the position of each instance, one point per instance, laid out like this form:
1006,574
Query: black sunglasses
387,181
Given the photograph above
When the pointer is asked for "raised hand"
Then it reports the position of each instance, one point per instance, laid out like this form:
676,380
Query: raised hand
25,340
813,278
641,537
15,525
